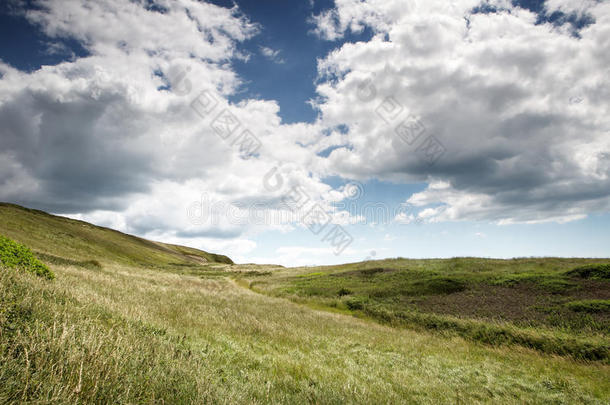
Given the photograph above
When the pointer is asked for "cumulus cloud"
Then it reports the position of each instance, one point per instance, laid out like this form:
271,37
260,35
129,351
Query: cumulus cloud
114,136
90,131
517,105
349,15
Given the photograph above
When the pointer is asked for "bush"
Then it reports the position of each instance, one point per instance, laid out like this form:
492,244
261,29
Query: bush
598,271
440,286
15,255
355,303
344,291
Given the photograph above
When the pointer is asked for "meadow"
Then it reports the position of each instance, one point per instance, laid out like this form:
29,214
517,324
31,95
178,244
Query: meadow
130,321
558,306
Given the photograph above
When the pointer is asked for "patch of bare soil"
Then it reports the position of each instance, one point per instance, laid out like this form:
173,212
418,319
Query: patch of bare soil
592,290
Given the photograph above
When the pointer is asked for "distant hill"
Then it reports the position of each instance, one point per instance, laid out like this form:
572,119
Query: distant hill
64,240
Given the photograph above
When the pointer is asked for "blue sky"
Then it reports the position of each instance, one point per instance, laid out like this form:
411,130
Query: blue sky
513,96
284,28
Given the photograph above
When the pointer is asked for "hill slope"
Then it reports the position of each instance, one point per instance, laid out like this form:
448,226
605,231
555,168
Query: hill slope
62,240
147,333
555,305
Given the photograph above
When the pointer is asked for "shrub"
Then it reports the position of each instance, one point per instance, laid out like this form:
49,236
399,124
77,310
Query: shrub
15,255
440,286
599,271
344,291
355,303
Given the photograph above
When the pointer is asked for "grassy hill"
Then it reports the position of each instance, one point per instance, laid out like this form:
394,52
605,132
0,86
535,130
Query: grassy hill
559,306
63,240
150,324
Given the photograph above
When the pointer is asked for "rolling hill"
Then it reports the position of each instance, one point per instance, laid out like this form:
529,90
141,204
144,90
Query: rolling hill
126,320
64,240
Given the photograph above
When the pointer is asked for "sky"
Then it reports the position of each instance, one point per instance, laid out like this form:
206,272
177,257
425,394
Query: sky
314,132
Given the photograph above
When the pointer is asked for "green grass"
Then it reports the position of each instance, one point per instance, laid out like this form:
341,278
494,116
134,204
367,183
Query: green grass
80,241
591,306
132,335
121,331
62,261
498,302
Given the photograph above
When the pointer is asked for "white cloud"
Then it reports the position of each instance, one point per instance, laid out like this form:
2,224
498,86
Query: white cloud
570,6
111,137
521,109
272,54
296,256
352,15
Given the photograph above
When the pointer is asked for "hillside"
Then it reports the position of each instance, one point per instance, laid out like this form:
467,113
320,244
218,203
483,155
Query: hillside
554,305
148,323
64,240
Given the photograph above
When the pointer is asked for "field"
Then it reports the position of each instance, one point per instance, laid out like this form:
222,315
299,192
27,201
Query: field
131,321
558,306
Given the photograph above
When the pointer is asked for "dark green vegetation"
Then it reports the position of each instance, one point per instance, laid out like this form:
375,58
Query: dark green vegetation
15,255
557,306
132,321
594,271
59,238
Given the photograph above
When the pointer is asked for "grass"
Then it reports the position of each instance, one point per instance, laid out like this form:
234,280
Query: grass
77,240
551,305
197,333
132,335
56,260
591,306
